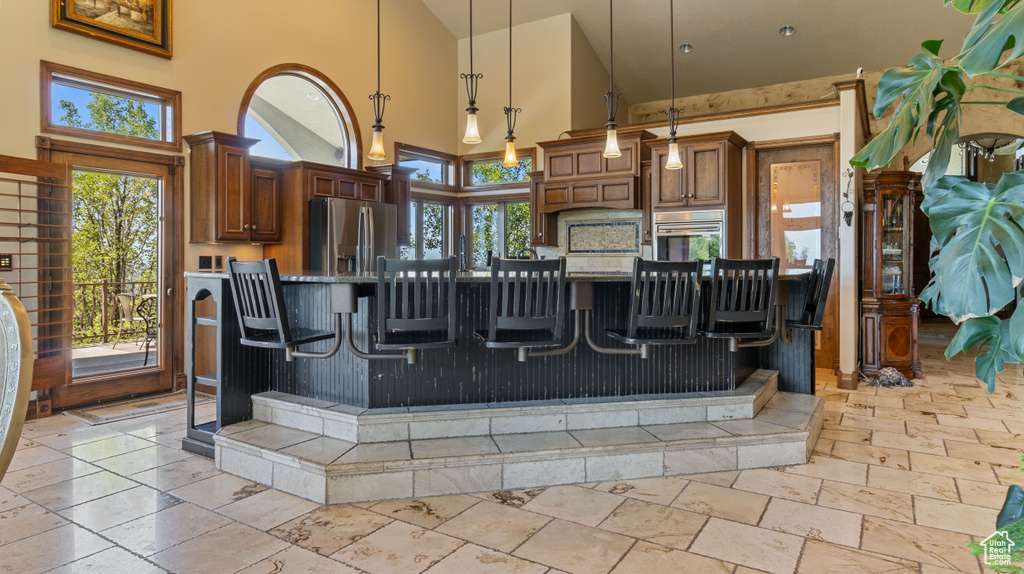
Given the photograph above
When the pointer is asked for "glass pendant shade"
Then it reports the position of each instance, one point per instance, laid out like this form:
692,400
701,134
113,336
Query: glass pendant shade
674,161
377,152
510,154
611,147
472,130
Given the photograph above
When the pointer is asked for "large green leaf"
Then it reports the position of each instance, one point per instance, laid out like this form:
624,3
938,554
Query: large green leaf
968,6
995,347
945,133
915,88
989,38
978,230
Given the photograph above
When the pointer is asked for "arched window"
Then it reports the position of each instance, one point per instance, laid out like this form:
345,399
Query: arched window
298,113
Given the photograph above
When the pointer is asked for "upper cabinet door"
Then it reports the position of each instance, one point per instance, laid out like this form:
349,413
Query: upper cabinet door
232,193
708,173
671,186
266,202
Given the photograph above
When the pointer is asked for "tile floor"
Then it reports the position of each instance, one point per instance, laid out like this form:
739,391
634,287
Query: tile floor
900,481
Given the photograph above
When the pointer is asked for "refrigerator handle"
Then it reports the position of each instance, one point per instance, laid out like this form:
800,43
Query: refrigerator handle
371,249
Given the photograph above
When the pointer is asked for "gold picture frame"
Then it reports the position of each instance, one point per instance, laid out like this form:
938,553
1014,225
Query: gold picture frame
143,25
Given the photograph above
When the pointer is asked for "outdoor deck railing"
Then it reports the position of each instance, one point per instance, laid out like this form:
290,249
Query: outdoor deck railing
97,315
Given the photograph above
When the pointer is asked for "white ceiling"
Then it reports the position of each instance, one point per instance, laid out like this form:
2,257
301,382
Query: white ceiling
736,42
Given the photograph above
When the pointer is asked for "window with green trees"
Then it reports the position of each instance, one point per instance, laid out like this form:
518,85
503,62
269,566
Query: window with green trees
502,228
491,171
429,225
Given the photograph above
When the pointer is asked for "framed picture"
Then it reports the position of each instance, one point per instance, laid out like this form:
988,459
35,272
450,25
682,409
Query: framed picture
143,25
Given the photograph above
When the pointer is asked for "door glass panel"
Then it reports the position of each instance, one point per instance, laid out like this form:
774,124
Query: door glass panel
795,214
517,227
485,232
115,269
895,239
435,222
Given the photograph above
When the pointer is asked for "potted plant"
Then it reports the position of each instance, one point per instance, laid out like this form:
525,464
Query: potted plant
977,246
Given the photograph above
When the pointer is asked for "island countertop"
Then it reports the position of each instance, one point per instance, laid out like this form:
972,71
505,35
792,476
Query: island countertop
466,276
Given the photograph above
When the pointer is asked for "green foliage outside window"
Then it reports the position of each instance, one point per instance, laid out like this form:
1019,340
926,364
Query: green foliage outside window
491,171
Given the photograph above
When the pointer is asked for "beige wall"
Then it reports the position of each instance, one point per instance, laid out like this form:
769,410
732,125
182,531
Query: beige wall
219,47
589,84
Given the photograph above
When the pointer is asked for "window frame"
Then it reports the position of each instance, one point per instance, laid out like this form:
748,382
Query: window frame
451,221
502,199
450,161
170,100
466,161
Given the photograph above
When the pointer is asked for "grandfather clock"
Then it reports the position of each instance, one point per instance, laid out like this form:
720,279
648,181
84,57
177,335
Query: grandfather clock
889,309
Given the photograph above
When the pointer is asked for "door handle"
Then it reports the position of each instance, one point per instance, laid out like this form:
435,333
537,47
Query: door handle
169,291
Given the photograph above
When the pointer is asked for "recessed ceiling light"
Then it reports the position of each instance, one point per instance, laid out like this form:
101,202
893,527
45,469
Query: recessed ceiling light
313,96
686,48
787,30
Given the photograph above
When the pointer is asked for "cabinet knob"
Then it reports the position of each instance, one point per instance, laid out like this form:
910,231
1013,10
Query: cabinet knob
246,226
254,228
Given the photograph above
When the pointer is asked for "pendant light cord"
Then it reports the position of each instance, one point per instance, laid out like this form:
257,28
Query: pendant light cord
378,46
470,37
611,97
379,100
510,112
471,78
672,74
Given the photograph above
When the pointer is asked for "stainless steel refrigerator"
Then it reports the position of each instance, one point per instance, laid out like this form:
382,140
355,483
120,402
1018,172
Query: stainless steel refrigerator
348,234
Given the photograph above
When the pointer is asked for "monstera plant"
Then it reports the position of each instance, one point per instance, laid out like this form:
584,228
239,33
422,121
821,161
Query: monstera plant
977,244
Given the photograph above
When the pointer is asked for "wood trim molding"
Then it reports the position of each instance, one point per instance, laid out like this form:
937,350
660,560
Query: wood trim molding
751,198
317,77
827,139
33,168
47,143
170,98
465,160
862,103
737,114
496,198
847,381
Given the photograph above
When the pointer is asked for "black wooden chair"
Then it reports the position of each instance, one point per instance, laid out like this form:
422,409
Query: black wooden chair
527,305
664,304
817,296
742,302
262,315
415,303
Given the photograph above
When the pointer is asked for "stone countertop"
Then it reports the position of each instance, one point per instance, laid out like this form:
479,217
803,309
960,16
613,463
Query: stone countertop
462,277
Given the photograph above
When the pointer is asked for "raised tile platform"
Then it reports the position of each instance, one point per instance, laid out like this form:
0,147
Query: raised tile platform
334,454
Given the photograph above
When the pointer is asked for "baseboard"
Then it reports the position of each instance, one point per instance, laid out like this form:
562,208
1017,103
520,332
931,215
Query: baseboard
847,381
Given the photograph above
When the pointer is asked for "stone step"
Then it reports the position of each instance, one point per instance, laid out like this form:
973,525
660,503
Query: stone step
353,424
331,471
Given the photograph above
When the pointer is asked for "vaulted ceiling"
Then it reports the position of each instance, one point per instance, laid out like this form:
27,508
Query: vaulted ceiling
736,42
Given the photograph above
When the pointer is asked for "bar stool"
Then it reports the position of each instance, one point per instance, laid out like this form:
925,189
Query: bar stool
664,304
742,298
526,305
262,315
415,304
817,295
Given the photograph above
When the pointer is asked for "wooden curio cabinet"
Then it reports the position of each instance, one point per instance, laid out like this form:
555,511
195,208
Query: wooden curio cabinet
889,308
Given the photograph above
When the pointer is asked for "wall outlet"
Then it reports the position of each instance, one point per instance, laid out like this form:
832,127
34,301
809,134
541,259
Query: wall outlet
218,262
6,262
205,262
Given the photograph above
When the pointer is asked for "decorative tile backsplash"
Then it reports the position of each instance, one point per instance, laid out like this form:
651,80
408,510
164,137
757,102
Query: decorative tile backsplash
618,237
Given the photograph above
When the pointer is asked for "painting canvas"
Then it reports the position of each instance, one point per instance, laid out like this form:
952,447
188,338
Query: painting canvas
143,25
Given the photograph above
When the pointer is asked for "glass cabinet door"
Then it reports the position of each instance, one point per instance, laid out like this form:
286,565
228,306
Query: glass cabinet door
895,238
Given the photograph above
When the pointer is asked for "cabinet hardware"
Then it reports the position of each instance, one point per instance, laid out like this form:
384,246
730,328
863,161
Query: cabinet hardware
246,226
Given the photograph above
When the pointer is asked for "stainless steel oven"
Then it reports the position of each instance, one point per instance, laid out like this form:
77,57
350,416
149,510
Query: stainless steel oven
688,235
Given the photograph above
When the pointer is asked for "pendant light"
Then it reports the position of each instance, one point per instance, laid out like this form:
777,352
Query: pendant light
674,161
379,100
611,146
472,130
510,112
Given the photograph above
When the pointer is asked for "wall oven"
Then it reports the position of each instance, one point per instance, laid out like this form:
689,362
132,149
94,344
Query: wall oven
689,235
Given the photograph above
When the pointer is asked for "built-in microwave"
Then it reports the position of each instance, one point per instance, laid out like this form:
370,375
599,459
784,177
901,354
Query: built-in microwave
689,235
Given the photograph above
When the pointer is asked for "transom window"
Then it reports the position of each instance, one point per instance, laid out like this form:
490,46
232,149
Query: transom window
484,171
298,114
95,106
434,170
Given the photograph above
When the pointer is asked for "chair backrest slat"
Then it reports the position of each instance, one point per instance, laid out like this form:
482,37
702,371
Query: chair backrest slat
665,295
743,291
818,287
415,295
527,295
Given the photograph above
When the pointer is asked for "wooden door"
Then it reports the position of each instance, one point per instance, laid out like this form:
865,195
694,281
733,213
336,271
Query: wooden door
164,358
671,186
233,195
797,217
266,202
708,173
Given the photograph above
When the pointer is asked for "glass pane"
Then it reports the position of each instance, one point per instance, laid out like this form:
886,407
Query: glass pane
491,171
795,214
435,222
689,247
485,232
296,121
114,241
427,169
894,242
98,111
517,227
409,251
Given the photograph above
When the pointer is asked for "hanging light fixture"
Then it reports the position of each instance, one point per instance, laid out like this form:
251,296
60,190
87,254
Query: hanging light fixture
472,130
510,112
611,146
379,100
674,161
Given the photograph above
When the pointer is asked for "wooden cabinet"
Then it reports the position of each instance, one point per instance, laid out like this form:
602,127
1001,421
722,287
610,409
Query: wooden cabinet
710,176
324,183
646,187
543,230
228,199
890,311
398,190
581,158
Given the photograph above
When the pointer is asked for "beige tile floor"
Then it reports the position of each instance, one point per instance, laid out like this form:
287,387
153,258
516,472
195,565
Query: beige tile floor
900,481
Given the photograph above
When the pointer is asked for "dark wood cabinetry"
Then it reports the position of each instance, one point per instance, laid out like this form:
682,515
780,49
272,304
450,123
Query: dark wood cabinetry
265,205
543,230
646,189
221,188
710,177
889,308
